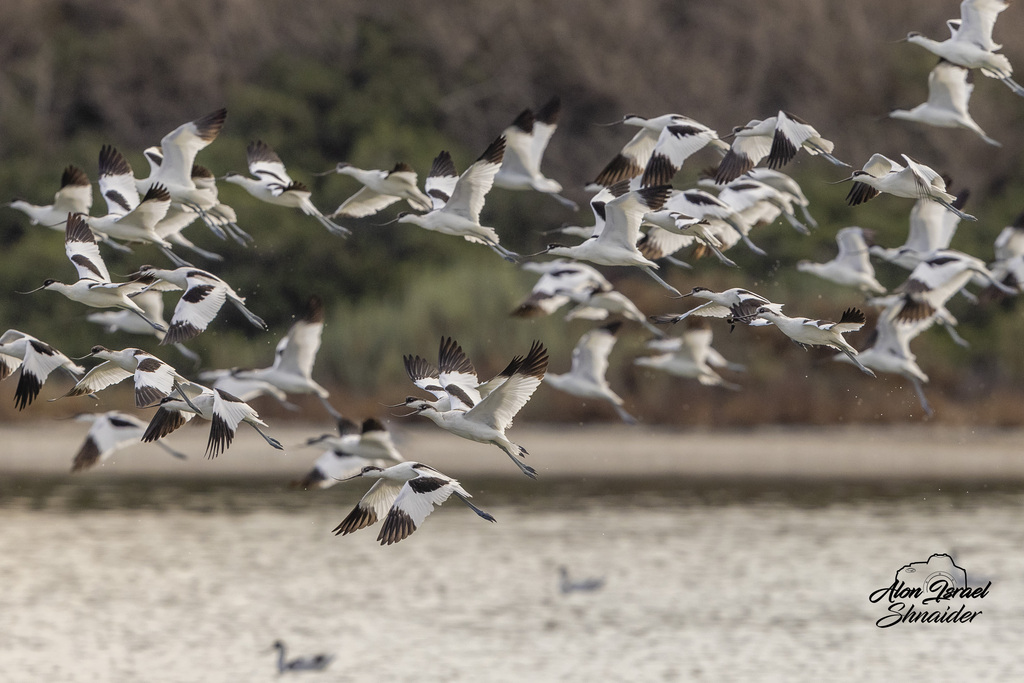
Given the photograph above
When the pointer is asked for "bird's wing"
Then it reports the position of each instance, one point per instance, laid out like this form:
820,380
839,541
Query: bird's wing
81,248
441,181
659,243
372,506
977,19
457,374
424,375
181,145
544,125
266,165
467,200
519,146
100,377
297,351
228,412
675,145
151,209
375,442
499,407
630,161
197,307
853,249
624,215
791,133
879,165
117,182
415,501
75,193
154,380
365,202
590,356
950,87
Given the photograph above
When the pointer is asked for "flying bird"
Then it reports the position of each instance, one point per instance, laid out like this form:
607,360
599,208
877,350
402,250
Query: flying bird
949,90
110,432
586,377
74,196
403,494
36,359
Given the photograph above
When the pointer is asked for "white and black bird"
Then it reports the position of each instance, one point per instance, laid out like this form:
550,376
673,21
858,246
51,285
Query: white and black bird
949,91
36,359
777,138
153,378
272,184
474,411
616,244
460,213
93,287
913,181
558,281
633,158
380,190
852,265
312,663
690,355
403,495
719,305
806,332
349,451
224,412
204,294
74,196
888,351
110,432
525,142
970,44
586,377
292,370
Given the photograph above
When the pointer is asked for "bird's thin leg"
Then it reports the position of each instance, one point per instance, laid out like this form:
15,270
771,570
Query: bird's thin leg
657,278
329,408
269,439
856,361
920,397
474,508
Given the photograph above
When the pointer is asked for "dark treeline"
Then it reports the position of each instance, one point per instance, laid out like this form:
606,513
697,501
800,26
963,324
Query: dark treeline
375,83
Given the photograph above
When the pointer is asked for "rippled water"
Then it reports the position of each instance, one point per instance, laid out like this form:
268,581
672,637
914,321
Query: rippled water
714,581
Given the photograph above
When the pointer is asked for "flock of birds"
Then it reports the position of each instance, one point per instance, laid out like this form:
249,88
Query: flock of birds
640,221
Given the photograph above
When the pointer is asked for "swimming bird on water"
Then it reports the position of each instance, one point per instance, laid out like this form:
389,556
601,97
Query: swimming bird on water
37,361
110,432
914,181
474,411
586,377
404,494
313,663
460,214
526,139
567,585
272,184
74,196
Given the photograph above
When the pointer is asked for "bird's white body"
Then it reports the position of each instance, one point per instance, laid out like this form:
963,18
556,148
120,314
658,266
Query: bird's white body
460,214
809,332
559,281
37,361
110,432
476,412
403,495
154,379
913,181
380,190
74,196
851,267
691,356
949,91
586,377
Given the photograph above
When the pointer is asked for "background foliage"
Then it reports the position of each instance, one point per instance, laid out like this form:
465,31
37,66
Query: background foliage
376,83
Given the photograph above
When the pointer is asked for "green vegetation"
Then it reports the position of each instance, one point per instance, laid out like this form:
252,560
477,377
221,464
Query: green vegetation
375,84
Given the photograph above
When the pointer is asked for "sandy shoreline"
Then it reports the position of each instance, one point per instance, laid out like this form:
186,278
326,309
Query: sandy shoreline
595,451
